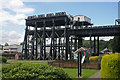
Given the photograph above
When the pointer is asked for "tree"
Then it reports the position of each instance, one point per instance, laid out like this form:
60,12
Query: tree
6,44
115,44
102,44
21,43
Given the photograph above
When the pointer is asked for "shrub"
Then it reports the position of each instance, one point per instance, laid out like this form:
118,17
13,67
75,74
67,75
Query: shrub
33,72
3,59
86,60
110,66
93,58
99,58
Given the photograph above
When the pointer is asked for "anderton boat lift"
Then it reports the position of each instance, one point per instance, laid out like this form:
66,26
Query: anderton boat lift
53,36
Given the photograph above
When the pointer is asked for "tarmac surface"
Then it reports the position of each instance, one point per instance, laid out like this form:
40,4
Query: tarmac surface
95,76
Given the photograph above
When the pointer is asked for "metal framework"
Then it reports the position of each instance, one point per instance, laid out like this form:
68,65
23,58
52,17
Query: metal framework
53,37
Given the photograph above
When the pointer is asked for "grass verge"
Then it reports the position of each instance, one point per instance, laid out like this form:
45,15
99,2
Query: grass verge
86,73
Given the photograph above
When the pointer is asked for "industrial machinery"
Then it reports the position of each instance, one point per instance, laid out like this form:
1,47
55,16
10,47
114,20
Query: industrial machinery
55,36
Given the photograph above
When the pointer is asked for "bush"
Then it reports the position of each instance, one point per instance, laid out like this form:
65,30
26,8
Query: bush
110,66
3,59
99,58
93,58
86,60
33,72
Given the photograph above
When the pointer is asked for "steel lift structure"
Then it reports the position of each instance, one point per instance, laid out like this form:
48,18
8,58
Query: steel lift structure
59,33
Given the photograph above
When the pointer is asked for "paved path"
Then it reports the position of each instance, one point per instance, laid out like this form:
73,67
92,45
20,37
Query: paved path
95,76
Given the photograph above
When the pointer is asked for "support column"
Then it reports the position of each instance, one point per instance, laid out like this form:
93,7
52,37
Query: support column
71,49
44,41
59,48
28,42
90,45
66,45
41,49
79,41
25,54
36,42
50,52
75,43
66,40
62,50
94,46
98,45
52,47
32,52
53,40
55,47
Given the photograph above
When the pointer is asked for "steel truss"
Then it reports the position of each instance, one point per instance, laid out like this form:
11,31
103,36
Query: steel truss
53,38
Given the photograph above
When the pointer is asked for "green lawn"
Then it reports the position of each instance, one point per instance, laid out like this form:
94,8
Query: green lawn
30,61
72,72
85,72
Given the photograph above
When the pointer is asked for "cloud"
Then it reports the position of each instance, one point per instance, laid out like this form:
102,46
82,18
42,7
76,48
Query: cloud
12,15
13,12
16,6
11,37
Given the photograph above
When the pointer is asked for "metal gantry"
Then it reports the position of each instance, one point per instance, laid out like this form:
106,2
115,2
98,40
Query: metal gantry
52,37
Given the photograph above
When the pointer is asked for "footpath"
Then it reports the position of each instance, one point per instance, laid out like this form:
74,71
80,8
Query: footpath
96,76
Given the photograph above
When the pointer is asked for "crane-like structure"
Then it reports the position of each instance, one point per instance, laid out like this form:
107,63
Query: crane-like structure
53,36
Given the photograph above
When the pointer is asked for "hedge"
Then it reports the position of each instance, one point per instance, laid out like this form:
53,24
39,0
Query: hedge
93,58
33,72
110,66
3,59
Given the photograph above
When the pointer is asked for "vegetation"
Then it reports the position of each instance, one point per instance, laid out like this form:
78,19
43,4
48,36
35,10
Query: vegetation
99,57
30,61
70,71
110,66
93,58
115,44
33,71
3,59
86,73
102,44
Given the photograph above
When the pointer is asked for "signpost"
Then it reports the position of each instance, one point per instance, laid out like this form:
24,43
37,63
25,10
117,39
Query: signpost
79,64
81,54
